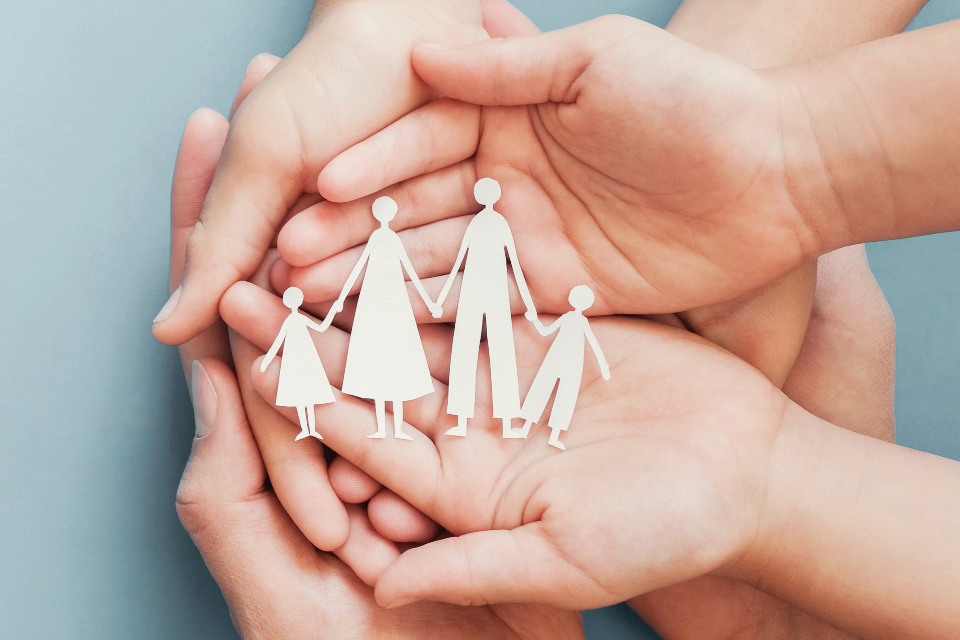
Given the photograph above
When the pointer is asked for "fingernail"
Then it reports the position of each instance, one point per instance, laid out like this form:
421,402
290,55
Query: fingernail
204,400
402,602
257,57
168,308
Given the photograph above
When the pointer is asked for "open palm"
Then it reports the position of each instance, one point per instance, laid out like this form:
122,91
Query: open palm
630,160
689,425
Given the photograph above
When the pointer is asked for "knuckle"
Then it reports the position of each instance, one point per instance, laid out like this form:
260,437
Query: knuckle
192,509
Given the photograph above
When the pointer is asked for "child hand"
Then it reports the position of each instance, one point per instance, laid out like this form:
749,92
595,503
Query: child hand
703,472
665,199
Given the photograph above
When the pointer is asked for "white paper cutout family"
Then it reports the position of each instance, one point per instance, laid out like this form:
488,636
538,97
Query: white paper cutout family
385,357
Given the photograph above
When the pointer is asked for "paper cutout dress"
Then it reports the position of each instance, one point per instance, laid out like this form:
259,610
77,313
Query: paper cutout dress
303,382
385,358
485,294
563,367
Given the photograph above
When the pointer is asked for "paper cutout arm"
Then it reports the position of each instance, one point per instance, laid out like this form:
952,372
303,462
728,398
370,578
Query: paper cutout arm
274,348
518,276
592,339
464,245
544,331
435,309
315,326
351,280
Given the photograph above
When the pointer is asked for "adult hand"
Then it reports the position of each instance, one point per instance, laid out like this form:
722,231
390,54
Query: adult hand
252,539
297,473
275,581
348,77
723,462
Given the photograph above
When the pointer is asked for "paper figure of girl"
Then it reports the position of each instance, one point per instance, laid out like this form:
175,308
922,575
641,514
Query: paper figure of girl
303,382
385,358
563,365
485,296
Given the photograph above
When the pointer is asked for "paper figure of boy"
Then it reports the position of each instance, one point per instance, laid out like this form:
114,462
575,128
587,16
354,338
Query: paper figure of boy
303,382
485,294
563,365
385,358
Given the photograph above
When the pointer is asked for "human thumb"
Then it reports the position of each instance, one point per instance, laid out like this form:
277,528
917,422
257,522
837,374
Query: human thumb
530,69
225,467
487,567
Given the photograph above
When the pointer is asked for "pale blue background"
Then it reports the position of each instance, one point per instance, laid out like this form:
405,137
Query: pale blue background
95,416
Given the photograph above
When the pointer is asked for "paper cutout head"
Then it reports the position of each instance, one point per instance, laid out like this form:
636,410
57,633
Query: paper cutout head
384,209
292,298
581,297
486,191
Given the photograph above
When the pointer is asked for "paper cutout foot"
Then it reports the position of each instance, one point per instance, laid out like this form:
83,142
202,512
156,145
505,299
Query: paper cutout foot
554,439
399,434
380,434
459,430
510,432
308,433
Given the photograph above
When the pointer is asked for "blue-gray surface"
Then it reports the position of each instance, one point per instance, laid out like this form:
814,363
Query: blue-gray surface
96,419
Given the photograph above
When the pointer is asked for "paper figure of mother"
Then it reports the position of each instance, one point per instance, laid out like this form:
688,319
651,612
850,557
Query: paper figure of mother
385,358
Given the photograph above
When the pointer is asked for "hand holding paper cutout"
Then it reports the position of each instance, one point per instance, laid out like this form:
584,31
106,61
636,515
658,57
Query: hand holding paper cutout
263,562
703,460
630,161
692,463
255,539
356,55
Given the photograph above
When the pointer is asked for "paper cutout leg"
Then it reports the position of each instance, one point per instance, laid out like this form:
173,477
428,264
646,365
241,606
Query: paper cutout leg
503,366
537,398
398,421
304,422
462,392
381,420
398,431
562,413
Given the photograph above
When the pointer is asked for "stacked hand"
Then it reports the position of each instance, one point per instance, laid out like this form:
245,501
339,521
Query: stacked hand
649,169
515,504
347,78
258,506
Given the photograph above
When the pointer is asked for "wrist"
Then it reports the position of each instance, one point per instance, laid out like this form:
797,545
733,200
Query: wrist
809,184
835,168
466,10
800,459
